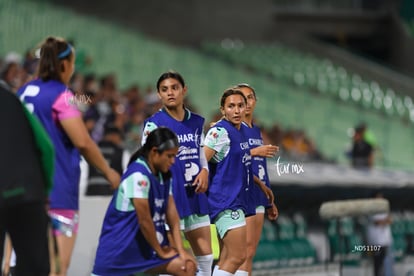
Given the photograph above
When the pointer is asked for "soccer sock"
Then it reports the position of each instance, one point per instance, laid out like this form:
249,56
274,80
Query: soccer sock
204,265
216,267
220,272
241,273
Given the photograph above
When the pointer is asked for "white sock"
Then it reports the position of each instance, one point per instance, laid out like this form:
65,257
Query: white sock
220,272
241,273
204,265
216,267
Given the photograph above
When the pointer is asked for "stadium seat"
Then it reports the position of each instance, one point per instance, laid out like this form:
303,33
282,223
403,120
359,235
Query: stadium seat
342,240
295,89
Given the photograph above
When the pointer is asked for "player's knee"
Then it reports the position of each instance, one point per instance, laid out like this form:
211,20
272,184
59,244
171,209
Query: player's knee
190,268
238,258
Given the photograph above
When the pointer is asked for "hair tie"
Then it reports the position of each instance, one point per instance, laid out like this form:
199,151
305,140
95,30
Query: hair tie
65,53
169,144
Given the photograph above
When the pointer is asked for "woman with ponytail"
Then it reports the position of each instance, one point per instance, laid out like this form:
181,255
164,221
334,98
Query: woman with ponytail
257,199
133,237
49,98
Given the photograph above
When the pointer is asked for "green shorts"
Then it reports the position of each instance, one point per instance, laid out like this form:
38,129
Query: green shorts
194,221
260,209
229,219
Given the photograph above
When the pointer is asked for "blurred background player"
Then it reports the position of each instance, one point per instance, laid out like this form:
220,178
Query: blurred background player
49,98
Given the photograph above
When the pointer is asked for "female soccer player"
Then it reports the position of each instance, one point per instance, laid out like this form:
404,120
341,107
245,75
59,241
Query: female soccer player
133,237
190,171
258,200
228,153
49,98
231,178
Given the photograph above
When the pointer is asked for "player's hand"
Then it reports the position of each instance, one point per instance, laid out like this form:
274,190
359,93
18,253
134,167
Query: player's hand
113,177
272,212
265,151
201,181
167,252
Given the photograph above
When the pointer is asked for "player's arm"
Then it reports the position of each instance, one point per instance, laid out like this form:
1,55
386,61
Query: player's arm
8,248
76,130
266,190
202,178
264,150
143,212
209,152
173,221
271,209
216,141
70,119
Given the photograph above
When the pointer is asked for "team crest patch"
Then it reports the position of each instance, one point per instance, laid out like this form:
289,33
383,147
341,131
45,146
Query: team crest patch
235,215
142,183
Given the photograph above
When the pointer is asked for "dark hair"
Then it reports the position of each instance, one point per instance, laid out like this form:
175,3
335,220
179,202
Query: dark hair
245,85
170,75
361,128
231,91
162,138
52,52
